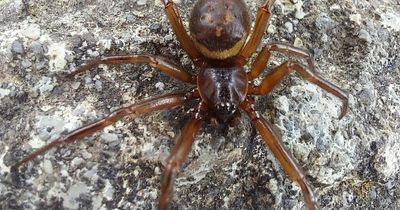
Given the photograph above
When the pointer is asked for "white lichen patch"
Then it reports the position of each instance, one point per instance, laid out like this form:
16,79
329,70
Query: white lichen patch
31,31
45,84
57,53
47,167
56,190
391,20
356,18
394,99
3,168
35,141
74,192
108,191
389,160
300,14
109,137
4,92
49,127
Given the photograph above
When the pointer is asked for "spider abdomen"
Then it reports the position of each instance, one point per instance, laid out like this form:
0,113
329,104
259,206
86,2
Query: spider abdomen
219,28
222,89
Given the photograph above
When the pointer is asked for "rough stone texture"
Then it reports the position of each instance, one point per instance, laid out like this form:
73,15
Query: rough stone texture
352,163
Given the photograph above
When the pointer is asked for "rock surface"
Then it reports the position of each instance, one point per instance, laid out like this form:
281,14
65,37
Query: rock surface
352,163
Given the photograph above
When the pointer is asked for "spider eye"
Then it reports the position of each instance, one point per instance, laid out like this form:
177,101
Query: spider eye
224,111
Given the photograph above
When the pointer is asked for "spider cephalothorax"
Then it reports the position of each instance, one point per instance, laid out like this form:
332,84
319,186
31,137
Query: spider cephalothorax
219,48
222,89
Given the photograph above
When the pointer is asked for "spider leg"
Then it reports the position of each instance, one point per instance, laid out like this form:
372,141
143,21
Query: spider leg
181,34
285,159
150,105
178,156
263,57
158,62
276,75
260,25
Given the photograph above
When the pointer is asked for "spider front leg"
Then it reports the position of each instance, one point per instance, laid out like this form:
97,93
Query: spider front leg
263,57
178,156
277,74
261,23
180,32
276,146
158,62
150,105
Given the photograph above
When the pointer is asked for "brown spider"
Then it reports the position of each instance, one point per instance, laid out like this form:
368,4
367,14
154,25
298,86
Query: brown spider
219,47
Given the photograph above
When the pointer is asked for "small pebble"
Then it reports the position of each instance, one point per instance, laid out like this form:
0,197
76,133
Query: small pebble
289,26
299,14
160,85
363,34
47,166
88,80
76,162
324,22
57,53
356,18
155,28
271,29
4,92
334,7
32,31
109,137
366,96
317,52
324,38
298,42
86,155
45,85
75,85
26,63
283,104
89,38
141,2
37,48
99,85
17,47
130,18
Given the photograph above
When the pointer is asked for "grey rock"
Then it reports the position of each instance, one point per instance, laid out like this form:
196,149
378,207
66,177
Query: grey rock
351,163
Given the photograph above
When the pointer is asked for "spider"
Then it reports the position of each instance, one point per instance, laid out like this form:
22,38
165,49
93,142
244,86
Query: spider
219,45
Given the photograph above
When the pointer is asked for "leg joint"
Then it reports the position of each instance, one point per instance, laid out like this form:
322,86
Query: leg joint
267,6
172,165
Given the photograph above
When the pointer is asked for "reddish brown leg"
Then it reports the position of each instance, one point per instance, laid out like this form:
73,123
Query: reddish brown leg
277,74
178,156
181,34
158,62
150,105
286,160
261,23
262,58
